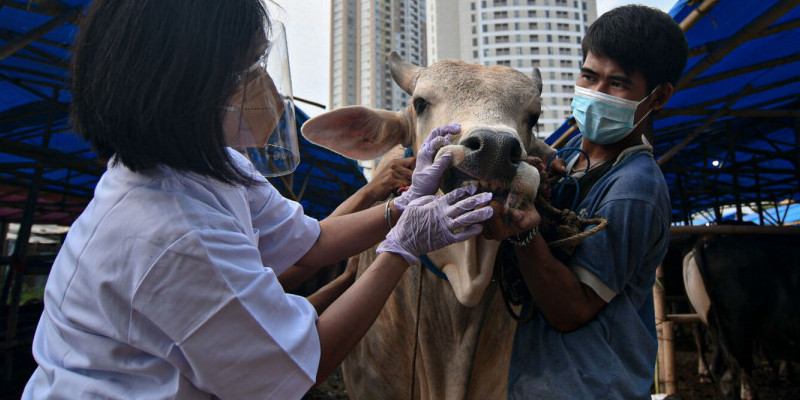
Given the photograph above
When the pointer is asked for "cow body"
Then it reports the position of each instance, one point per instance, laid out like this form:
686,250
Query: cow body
444,338
751,297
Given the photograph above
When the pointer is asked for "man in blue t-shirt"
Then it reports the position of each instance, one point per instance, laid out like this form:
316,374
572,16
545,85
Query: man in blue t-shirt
592,334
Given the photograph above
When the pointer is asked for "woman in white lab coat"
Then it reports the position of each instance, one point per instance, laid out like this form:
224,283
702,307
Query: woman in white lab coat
166,285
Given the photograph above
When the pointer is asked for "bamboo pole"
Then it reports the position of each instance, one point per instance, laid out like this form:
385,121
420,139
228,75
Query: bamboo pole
770,30
20,42
718,114
733,229
563,138
774,113
665,334
684,318
765,65
746,33
697,13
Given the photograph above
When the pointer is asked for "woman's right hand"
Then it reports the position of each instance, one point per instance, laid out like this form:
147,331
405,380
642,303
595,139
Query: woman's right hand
432,222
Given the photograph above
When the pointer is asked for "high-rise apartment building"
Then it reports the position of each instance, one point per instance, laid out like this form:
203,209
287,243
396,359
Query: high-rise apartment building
522,34
363,32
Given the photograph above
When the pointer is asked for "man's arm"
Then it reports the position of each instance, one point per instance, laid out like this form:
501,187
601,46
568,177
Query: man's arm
566,302
323,297
396,174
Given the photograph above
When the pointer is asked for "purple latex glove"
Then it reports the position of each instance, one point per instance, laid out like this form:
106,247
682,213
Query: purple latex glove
427,174
432,222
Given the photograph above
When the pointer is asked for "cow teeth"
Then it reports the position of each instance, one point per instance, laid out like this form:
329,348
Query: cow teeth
487,185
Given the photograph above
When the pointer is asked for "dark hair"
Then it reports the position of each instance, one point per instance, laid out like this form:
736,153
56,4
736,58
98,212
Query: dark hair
640,38
151,78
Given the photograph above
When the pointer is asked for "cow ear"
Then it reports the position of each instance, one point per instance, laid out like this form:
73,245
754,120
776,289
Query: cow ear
358,132
536,75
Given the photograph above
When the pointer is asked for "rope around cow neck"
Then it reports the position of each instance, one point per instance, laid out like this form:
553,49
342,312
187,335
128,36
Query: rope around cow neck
567,227
571,231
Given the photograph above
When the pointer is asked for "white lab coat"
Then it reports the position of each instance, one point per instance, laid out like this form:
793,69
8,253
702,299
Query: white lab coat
166,288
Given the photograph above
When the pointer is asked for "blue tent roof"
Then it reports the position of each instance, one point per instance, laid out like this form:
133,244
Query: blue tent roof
40,154
736,109
38,151
729,134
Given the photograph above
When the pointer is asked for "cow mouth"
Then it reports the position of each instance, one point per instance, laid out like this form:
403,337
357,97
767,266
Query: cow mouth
456,177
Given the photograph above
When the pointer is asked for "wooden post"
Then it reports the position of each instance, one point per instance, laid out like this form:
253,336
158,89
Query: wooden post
664,333
697,13
562,140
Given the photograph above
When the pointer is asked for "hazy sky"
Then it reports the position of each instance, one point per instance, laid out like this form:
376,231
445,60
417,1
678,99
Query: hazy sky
308,31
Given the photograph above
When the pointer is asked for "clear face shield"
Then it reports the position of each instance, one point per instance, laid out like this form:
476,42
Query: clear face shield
259,121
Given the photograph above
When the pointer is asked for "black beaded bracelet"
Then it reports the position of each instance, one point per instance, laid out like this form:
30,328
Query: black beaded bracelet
521,242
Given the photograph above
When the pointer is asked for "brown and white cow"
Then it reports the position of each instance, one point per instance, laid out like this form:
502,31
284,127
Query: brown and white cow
444,339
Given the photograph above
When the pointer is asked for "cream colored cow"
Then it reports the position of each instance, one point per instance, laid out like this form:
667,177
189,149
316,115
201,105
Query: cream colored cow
444,339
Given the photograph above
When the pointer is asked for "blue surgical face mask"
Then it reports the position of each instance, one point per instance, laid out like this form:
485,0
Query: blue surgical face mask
603,118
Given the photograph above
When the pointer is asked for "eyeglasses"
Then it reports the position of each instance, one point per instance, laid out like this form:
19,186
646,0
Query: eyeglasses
259,65
261,111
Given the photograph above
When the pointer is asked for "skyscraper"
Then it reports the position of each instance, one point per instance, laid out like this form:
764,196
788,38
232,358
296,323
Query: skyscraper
363,32
522,34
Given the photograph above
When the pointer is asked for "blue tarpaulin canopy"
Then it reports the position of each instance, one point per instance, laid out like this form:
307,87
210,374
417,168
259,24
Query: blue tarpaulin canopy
43,164
785,214
729,135
48,170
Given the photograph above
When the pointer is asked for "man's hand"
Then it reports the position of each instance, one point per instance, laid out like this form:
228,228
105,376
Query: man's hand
389,179
507,222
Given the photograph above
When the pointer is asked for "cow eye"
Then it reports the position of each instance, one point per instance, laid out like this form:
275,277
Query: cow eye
420,105
533,120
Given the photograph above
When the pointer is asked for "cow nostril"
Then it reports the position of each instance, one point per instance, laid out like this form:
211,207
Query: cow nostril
516,154
492,154
472,143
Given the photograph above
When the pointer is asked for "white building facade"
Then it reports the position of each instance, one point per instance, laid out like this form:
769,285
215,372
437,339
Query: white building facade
522,34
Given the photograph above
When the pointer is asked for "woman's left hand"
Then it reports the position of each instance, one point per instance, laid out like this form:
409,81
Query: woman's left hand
433,222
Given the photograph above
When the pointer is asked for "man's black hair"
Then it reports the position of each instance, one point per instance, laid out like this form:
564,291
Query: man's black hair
150,79
640,38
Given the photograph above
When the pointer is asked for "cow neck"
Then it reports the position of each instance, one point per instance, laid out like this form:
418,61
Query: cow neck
423,258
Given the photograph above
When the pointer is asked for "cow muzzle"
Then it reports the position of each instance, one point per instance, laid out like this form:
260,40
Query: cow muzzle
493,161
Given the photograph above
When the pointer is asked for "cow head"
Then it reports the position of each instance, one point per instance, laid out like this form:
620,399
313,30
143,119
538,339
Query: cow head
497,108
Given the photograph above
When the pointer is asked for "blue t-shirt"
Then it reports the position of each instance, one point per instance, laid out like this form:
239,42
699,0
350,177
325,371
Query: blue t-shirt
613,356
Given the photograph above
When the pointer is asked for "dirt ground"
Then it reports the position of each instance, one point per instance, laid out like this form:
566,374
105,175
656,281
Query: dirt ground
768,386
688,386
332,389
686,381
